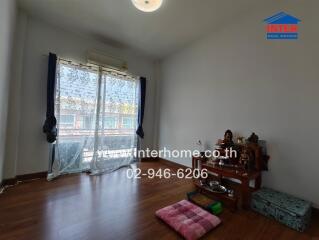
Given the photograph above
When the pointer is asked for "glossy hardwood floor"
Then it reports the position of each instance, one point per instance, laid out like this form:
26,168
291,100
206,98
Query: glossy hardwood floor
114,207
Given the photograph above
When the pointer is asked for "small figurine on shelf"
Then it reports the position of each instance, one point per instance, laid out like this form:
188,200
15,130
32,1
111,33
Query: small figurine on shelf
227,149
240,140
244,158
253,138
227,141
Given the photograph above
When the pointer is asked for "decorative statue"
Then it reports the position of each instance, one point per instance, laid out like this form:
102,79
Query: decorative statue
244,158
228,139
253,138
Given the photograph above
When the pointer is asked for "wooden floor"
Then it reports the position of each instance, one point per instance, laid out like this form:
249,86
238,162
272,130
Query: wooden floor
113,207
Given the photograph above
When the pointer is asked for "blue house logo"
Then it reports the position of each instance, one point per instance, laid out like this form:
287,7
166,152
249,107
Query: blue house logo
282,26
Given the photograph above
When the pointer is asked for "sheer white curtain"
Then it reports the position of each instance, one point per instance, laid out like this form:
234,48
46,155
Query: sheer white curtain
96,112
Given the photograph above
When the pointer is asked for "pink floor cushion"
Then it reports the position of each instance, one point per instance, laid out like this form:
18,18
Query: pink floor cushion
191,221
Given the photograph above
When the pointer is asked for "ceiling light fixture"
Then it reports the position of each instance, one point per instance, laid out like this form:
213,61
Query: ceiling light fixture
147,5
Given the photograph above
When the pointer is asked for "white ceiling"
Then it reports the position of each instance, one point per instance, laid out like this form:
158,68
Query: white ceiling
117,22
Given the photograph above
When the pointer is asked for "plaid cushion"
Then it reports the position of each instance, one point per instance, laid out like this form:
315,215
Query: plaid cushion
191,221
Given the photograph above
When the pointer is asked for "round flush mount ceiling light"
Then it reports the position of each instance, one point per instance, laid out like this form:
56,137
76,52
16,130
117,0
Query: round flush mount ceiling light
147,5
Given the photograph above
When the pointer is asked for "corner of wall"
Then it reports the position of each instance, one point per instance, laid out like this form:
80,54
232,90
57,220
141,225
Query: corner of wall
13,118
7,19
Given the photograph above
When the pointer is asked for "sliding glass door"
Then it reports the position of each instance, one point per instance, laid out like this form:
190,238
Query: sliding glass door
115,135
96,112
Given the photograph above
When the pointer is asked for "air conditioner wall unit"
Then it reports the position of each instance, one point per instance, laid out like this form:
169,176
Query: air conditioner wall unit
104,60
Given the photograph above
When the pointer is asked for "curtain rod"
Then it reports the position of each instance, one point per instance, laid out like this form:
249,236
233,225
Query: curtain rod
107,68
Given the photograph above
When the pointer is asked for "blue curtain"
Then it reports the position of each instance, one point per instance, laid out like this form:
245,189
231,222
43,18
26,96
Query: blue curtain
142,90
49,127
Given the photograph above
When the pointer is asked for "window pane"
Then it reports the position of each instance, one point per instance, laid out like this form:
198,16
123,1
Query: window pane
110,122
127,122
67,120
86,122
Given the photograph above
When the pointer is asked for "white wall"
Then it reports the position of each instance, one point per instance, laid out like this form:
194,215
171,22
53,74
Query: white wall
7,18
31,153
236,79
